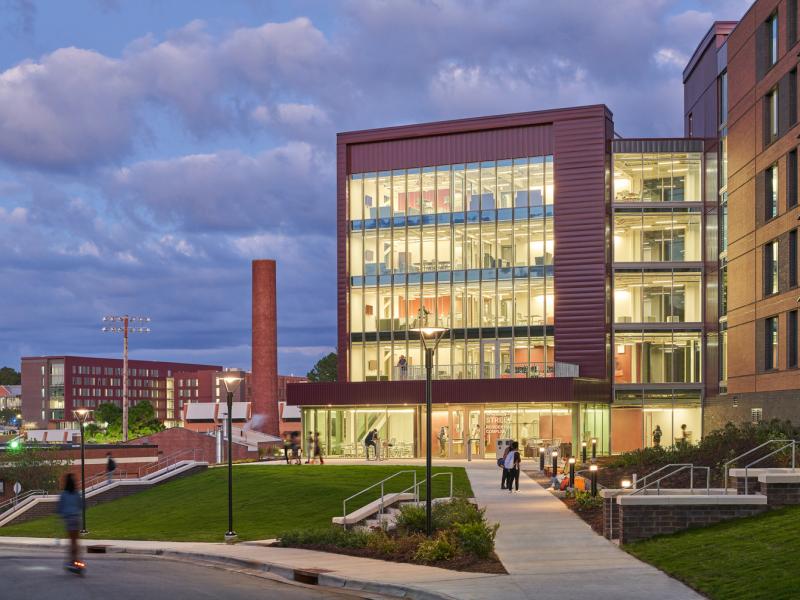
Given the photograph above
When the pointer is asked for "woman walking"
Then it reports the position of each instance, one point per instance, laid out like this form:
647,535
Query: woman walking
318,449
70,506
512,465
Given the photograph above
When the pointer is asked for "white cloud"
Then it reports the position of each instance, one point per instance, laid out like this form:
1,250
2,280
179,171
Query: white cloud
15,216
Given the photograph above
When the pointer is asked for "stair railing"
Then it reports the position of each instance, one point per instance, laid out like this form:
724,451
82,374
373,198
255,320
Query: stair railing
680,468
416,486
15,501
382,484
785,444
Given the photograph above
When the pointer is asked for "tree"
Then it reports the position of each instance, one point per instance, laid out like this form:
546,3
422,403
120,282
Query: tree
141,421
7,416
34,468
9,376
326,369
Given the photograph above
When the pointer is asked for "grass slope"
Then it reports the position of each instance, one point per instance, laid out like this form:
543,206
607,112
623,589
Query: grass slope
267,501
753,558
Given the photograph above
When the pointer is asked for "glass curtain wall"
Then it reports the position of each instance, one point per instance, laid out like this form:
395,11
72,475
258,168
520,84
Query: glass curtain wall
469,247
658,297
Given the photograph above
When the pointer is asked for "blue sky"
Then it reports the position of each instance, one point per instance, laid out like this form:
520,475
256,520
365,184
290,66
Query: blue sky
150,149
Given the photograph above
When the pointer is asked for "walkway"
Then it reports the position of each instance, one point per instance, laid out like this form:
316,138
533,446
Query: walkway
550,552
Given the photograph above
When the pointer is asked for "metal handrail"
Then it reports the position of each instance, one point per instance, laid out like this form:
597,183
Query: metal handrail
416,486
14,501
691,468
381,483
101,477
726,466
164,462
643,480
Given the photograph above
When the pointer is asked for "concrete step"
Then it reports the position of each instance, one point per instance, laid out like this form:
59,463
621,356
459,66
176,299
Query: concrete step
365,512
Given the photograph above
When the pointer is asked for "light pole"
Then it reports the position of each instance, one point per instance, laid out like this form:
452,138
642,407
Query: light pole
83,416
430,336
231,385
128,326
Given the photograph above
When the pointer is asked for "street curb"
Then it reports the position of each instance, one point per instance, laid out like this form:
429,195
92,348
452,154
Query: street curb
288,573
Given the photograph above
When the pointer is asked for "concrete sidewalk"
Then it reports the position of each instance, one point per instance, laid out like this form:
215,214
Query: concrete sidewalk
550,552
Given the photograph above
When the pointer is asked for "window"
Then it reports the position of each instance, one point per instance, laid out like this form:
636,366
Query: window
791,178
756,414
771,268
792,84
771,116
771,192
791,338
772,39
770,343
723,98
691,125
791,23
793,258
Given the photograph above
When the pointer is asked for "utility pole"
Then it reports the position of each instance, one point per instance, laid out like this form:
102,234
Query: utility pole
128,326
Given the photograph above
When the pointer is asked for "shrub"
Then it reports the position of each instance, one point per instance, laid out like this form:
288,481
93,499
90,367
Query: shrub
439,548
586,501
412,518
380,542
457,510
476,538
331,536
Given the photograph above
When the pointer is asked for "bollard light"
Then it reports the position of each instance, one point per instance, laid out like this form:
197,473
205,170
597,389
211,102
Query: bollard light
626,484
541,458
583,452
594,448
554,454
571,471
593,471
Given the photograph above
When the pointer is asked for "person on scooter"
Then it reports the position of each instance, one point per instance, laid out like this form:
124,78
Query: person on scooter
70,506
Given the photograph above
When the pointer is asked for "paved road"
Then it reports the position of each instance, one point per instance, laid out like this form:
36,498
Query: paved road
39,574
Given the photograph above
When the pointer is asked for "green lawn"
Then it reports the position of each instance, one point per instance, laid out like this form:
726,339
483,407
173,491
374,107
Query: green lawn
267,501
751,558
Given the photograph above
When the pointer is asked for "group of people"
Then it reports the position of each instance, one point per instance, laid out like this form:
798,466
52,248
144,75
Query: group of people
510,463
291,448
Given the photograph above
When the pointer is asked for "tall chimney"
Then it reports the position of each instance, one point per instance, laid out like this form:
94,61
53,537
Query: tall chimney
265,348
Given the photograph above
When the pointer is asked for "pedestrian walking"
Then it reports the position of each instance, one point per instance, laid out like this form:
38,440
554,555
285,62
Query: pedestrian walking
111,466
70,506
310,448
287,446
370,441
512,465
295,438
318,449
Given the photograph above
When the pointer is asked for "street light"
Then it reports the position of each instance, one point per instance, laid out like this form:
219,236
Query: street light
83,416
128,326
231,385
571,471
430,336
593,471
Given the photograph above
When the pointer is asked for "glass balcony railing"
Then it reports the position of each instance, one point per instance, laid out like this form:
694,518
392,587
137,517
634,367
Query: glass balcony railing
488,371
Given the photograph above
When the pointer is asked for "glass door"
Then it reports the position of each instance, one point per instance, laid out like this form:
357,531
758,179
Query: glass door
476,441
458,434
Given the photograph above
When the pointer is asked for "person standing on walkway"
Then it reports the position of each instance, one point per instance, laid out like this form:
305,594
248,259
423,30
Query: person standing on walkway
318,449
69,508
296,447
512,465
310,448
287,446
501,462
402,365
111,466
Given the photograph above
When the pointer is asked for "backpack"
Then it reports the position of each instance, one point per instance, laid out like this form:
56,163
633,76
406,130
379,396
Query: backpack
111,464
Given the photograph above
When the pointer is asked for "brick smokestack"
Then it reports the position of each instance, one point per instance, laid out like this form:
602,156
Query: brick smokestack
265,348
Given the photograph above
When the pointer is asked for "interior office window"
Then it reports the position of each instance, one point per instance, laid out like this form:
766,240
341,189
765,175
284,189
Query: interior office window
791,178
771,268
771,116
772,39
791,339
793,258
770,343
771,192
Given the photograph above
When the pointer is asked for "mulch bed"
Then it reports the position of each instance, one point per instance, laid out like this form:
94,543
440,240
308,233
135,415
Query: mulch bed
592,516
405,554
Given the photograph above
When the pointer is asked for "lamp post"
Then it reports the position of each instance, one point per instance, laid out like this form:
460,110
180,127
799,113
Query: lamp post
541,458
594,448
593,471
231,385
430,336
128,326
83,416
571,471
583,452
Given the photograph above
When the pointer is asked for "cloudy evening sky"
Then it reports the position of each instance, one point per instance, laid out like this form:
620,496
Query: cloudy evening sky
150,149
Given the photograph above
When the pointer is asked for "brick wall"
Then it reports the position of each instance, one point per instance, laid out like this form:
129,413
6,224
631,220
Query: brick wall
178,439
753,486
639,522
781,494
719,410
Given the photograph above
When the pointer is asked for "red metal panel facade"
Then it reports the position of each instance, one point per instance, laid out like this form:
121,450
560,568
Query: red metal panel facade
459,391
582,213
